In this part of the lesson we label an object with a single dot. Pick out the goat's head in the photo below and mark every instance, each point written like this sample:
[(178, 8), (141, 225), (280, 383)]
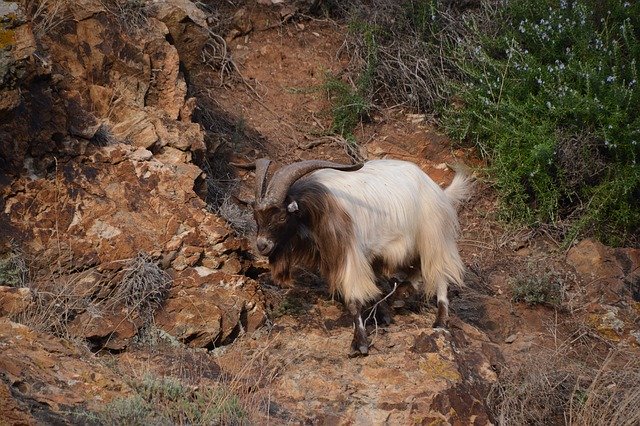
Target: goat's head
[(276, 214)]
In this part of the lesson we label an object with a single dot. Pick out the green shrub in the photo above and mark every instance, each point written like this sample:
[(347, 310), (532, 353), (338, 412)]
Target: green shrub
[(352, 102), (553, 101)]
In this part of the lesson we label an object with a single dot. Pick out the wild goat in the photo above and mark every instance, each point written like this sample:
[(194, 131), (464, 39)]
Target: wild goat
[(353, 222)]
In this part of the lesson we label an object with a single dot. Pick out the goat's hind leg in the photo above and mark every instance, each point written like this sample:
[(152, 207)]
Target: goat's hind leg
[(360, 342), (442, 317)]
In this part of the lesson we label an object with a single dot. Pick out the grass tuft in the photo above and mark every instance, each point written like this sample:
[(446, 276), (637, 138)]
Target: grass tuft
[(167, 400)]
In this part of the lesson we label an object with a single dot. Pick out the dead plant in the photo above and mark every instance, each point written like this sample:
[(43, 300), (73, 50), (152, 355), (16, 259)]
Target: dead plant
[(141, 288), (46, 15), (563, 387)]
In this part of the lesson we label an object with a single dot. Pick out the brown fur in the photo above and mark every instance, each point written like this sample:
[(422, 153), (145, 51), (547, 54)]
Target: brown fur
[(316, 237)]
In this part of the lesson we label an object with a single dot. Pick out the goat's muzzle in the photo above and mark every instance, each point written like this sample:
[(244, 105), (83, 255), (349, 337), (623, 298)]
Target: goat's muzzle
[(264, 246)]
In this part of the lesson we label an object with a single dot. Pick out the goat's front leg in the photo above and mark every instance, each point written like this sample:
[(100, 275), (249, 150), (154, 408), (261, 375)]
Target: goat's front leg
[(360, 343)]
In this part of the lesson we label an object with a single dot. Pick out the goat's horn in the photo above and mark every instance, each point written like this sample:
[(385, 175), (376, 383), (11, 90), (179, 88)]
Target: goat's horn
[(288, 175), (262, 166), (245, 166)]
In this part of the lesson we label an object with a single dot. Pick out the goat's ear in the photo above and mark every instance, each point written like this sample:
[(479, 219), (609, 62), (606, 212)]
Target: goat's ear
[(293, 207)]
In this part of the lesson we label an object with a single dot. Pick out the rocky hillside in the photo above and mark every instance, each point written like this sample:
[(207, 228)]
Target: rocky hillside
[(129, 291)]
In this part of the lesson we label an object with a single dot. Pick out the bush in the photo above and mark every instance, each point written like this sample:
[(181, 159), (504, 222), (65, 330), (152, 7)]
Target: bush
[(553, 101), (548, 91), (538, 286)]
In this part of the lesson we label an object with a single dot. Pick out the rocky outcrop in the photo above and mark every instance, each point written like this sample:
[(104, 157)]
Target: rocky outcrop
[(43, 375), (98, 170), (610, 289), (413, 375)]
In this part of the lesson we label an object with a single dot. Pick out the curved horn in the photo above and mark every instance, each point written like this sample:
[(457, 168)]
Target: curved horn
[(262, 166), (288, 175), (245, 166)]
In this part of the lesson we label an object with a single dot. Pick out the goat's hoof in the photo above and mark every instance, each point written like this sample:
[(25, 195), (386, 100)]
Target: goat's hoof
[(358, 350), (384, 320), (440, 324)]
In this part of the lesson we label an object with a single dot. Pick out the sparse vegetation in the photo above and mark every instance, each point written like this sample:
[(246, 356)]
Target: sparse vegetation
[(143, 286), (538, 285), (352, 101), (46, 15), (60, 296), (13, 269), (554, 387), (131, 15), (290, 305), (167, 400), (220, 185)]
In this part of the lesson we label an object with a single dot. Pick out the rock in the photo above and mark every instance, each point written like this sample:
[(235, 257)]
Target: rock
[(180, 10), (609, 277), (242, 22), (210, 308), (413, 374), (511, 338), (52, 373), (593, 259), (12, 412), (169, 89), (106, 330), (14, 300)]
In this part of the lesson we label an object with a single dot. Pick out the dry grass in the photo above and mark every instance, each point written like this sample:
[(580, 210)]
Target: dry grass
[(130, 15), (612, 397), (411, 39), (59, 295), (46, 15), (562, 387)]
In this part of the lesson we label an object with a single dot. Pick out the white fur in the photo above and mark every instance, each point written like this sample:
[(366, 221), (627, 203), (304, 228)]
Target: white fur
[(398, 214)]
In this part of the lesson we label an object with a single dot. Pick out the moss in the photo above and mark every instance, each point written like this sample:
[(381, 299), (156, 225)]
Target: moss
[(7, 38), (437, 367), (7, 30)]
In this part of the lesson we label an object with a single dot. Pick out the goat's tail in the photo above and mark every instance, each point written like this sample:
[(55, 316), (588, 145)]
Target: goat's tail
[(461, 188)]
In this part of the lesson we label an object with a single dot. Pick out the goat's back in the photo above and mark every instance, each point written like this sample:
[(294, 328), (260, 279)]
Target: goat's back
[(391, 203)]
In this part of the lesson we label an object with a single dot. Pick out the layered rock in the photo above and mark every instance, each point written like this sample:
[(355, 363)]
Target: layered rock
[(98, 170), (42, 375), (413, 374)]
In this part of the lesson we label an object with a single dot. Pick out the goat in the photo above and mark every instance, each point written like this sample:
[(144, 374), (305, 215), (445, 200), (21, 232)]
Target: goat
[(353, 222)]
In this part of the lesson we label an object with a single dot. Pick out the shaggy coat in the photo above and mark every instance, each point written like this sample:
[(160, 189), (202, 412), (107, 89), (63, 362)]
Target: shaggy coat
[(389, 216)]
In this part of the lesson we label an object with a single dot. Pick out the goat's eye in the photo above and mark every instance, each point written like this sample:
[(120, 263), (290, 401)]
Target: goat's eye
[(282, 219)]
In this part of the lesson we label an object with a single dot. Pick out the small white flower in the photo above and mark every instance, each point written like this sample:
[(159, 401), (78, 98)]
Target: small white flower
[(611, 79)]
